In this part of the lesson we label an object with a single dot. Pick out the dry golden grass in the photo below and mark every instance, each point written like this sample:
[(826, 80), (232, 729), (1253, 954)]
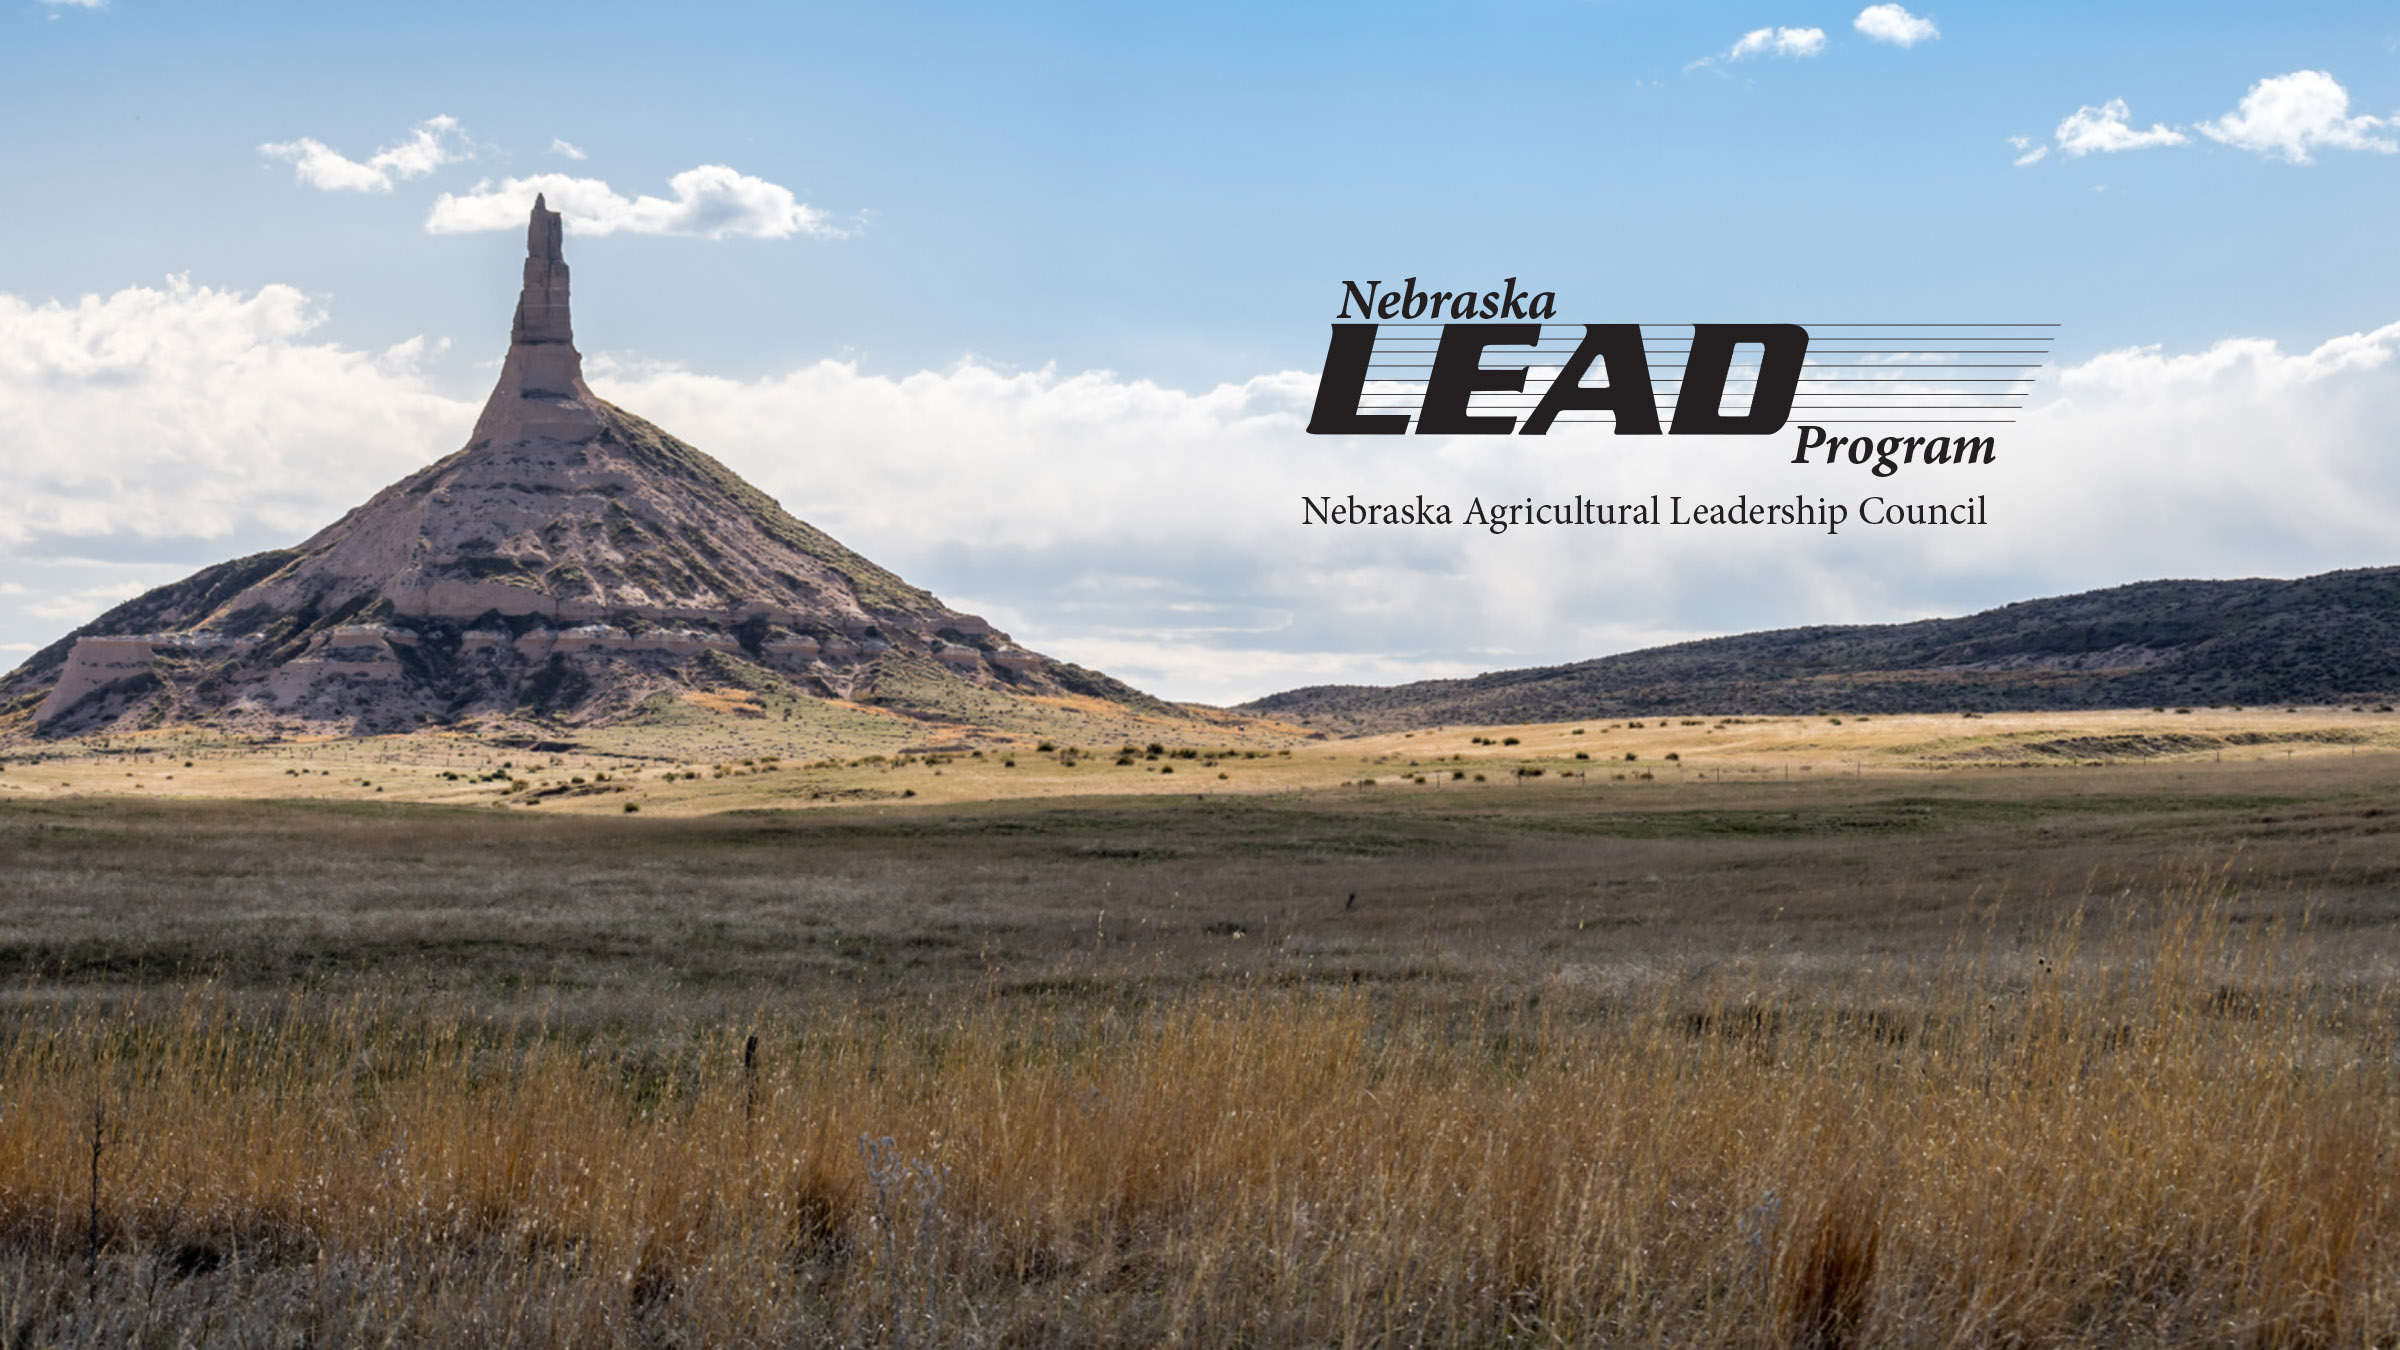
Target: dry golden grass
[(2166, 1134)]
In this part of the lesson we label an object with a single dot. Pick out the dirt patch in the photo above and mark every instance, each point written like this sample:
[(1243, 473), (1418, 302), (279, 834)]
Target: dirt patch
[(2151, 745), (732, 702)]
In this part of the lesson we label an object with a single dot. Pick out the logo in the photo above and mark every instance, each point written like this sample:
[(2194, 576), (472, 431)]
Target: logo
[(1408, 358)]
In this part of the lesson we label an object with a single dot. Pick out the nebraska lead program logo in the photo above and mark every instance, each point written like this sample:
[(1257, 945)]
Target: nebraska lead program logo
[(1423, 353)]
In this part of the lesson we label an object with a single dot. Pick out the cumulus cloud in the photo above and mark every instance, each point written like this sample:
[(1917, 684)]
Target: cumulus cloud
[(1767, 42), (185, 413), (560, 146), (1777, 42), (1893, 24), (1157, 533), (2107, 130), (432, 144), (710, 202), (2285, 116), (2282, 117)]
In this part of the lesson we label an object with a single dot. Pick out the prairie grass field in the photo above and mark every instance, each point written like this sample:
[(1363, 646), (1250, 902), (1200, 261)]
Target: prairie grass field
[(2101, 1054)]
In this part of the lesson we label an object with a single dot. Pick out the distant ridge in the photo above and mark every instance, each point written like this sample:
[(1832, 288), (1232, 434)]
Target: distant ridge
[(2333, 638), (571, 565)]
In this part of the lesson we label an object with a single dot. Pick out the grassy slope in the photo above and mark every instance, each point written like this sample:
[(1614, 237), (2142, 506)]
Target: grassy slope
[(2323, 638), (875, 587)]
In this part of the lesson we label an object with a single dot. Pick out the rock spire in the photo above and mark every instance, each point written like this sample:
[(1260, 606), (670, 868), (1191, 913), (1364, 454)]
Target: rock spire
[(572, 564), (541, 394)]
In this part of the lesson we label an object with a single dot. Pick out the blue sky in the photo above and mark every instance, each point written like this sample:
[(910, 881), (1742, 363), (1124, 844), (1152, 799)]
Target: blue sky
[(1172, 195)]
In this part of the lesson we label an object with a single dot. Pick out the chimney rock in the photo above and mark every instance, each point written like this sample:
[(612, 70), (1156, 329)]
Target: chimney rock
[(541, 393)]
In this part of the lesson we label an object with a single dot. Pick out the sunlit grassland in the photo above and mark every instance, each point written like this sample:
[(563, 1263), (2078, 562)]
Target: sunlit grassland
[(2057, 1055), (721, 754)]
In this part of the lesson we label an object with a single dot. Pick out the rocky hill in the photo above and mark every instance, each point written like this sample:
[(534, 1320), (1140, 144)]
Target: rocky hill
[(2325, 639), (570, 563)]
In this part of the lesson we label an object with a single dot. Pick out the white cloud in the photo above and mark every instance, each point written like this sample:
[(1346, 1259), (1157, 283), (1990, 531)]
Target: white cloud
[(157, 429), (76, 4), (2285, 116), (1767, 42), (2030, 153), (189, 413), (1893, 24), (2245, 459), (711, 202), (1777, 42), (429, 146), (2107, 130), (559, 146)]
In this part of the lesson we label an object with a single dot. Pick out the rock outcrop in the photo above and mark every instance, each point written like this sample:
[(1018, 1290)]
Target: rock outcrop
[(541, 393), (569, 562)]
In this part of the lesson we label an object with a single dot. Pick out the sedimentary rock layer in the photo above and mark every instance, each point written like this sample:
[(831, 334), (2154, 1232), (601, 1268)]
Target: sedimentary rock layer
[(571, 558)]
